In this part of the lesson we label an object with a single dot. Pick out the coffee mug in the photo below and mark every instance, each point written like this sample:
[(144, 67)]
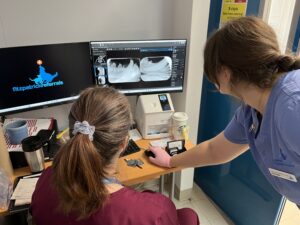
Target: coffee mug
[(16, 131)]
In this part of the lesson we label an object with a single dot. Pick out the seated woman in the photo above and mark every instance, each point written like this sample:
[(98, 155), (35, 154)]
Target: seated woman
[(80, 187)]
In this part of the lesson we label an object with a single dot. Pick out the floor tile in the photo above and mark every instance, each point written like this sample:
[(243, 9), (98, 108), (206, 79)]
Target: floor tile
[(290, 214)]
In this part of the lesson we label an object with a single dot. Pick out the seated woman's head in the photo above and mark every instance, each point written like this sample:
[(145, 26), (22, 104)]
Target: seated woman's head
[(99, 121)]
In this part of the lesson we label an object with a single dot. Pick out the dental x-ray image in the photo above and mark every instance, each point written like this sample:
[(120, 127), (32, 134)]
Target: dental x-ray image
[(156, 68), (123, 70)]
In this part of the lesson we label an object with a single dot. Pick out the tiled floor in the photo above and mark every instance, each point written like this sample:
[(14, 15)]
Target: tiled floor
[(210, 214), (290, 215)]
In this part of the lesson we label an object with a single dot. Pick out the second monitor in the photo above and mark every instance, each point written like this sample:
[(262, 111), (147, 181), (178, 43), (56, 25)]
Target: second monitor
[(140, 67)]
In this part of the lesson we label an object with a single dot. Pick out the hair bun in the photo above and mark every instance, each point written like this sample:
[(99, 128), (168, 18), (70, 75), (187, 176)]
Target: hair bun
[(287, 63)]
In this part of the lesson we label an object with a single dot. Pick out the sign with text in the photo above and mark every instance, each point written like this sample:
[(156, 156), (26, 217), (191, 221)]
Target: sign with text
[(232, 9)]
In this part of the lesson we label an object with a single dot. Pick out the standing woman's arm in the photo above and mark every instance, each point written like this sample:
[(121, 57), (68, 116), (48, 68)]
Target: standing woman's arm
[(217, 150)]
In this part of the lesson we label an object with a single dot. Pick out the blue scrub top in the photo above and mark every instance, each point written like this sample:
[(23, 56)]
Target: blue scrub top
[(275, 141)]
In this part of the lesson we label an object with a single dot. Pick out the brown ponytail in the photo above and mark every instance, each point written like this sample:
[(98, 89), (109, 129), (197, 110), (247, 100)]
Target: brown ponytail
[(79, 165), (248, 47)]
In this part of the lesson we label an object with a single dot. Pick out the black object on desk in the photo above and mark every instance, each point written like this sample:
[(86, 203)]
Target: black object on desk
[(175, 147), (149, 153), (51, 145), (132, 147)]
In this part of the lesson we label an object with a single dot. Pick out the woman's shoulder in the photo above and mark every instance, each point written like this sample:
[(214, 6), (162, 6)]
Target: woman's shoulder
[(290, 83), (285, 95), (287, 102), (130, 199), (145, 207), (148, 196)]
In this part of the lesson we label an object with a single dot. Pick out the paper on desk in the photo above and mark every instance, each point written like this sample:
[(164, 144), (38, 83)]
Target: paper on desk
[(160, 143), (135, 135), (19, 202), (23, 192), (34, 126)]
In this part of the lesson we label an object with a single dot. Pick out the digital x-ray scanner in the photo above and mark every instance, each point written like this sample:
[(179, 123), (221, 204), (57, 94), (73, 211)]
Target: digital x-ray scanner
[(153, 115)]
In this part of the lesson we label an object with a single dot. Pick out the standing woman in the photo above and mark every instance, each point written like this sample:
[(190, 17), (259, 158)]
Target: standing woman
[(81, 187), (243, 60)]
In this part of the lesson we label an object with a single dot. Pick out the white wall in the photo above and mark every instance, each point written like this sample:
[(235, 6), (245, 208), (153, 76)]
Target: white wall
[(41, 22), (193, 24), (279, 14)]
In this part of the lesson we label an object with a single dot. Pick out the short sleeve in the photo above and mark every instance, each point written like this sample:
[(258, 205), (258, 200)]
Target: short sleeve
[(289, 126), (235, 131)]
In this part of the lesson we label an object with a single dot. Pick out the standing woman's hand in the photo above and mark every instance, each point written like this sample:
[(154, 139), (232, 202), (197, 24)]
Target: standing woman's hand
[(162, 158)]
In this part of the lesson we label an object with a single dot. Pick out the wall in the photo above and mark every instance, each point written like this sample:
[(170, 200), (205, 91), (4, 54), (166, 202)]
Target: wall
[(279, 16), (194, 25), (39, 22), (296, 19)]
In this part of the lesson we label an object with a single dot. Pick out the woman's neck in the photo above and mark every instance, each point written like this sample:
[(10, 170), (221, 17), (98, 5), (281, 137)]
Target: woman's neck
[(111, 171), (255, 97)]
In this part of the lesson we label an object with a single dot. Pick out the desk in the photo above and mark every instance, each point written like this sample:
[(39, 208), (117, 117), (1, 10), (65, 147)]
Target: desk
[(130, 175)]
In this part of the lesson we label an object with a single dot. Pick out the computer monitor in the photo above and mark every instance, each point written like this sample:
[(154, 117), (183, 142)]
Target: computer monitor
[(139, 67), (43, 75)]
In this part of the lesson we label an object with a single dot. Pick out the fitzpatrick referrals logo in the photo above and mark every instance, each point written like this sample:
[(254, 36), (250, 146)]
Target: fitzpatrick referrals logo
[(42, 80)]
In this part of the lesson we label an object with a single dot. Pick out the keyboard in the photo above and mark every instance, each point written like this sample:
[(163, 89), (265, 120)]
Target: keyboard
[(132, 147)]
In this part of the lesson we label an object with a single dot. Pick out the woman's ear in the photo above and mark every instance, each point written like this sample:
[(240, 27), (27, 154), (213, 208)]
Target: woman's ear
[(225, 74), (124, 144)]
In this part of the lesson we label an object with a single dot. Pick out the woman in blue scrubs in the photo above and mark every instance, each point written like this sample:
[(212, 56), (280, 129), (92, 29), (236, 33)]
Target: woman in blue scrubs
[(243, 60)]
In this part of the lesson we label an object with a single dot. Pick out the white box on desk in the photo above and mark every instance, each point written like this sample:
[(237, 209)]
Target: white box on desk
[(153, 115)]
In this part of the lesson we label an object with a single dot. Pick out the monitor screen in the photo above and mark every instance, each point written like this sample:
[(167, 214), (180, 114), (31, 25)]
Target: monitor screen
[(43, 75), (139, 67)]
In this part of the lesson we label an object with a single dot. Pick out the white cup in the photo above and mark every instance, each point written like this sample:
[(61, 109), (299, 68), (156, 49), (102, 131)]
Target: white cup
[(179, 125)]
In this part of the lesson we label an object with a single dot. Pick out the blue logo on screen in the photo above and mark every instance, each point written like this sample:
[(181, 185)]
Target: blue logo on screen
[(43, 77), (42, 80)]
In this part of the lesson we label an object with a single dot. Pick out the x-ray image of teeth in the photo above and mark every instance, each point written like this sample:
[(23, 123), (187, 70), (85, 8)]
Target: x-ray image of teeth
[(121, 70), (156, 68)]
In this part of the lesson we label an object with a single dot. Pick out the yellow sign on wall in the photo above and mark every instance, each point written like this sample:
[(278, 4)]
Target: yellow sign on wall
[(232, 9)]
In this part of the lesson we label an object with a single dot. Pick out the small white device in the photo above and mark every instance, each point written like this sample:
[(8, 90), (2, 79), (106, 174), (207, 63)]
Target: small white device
[(153, 115)]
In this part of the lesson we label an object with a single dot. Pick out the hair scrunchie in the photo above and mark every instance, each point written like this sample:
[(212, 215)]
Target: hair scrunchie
[(84, 128)]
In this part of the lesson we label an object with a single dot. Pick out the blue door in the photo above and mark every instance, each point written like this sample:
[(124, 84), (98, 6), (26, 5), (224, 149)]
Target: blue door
[(238, 187)]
